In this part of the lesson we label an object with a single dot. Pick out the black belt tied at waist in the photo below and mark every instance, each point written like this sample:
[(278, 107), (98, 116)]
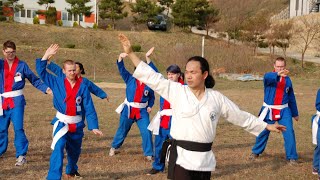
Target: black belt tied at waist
[(187, 145)]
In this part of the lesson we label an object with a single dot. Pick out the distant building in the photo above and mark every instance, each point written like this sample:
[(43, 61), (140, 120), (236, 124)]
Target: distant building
[(303, 7), (31, 7)]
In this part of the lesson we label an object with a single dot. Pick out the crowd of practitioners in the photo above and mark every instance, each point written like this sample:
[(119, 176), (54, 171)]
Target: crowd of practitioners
[(184, 127)]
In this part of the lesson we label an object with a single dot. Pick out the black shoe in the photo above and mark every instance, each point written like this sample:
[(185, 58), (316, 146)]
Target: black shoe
[(74, 175), (153, 171)]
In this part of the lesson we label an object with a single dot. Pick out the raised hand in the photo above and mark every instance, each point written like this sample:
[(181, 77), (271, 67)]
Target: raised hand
[(52, 50), (148, 54), (122, 56), (125, 43)]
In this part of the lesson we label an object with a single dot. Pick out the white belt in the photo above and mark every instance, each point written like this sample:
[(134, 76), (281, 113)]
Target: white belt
[(8, 95), (315, 128), (130, 104), (267, 108), (155, 123), (66, 120)]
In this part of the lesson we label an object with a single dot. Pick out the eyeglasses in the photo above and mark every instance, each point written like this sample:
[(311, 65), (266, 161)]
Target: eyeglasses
[(10, 52)]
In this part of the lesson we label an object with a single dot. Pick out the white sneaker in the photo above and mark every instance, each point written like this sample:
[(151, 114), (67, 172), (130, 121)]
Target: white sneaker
[(112, 151), (21, 160), (149, 158)]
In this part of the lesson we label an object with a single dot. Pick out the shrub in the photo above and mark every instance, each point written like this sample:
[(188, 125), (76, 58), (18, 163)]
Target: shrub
[(136, 47), (3, 18), (262, 44), (36, 20), (95, 26), (75, 24), (71, 46), (60, 23)]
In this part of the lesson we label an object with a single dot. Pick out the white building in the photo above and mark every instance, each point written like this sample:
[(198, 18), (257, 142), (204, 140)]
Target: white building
[(31, 7)]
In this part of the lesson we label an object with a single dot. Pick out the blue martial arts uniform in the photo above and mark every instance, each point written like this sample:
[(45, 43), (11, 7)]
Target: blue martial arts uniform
[(143, 122), (164, 134), (285, 94), (71, 140), (16, 112), (94, 89), (316, 155)]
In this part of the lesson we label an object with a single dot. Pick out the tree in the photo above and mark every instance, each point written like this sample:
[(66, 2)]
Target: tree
[(208, 16), (283, 34), (184, 13), (167, 4), (78, 7), (45, 2), (144, 10), (14, 5), (306, 30), (254, 29), (112, 9)]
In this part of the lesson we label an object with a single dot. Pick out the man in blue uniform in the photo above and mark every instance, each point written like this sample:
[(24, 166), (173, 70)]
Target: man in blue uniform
[(13, 73), (136, 108), (279, 107), (72, 100)]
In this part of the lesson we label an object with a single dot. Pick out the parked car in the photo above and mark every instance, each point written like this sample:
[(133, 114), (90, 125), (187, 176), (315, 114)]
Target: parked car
[(158, 22)]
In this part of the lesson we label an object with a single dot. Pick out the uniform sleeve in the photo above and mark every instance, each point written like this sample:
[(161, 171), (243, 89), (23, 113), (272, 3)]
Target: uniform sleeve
[(123, 71), (270, 78), (34, 80), (169, 90), (90, 112), (153, 66), (151, 99), (94, 89), (233, 114), (47, 78), (318, 101), (292, 102), (57, 70)]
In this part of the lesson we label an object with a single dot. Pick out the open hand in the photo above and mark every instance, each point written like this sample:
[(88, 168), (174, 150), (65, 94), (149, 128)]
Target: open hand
[(52, 50), (276, 127), (125, 43)]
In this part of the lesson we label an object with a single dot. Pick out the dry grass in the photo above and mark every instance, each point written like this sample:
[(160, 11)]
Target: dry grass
[(231, 147)]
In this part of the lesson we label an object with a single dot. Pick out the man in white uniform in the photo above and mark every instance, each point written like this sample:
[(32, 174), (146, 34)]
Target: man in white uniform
[(196, 109)]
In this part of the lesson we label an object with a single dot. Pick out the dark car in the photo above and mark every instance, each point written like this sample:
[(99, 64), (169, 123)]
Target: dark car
[(158, 22)]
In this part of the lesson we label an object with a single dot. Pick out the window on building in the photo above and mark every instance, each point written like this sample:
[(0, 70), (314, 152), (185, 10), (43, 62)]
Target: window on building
[(69, 17), (81, 17), (75, 17), (23, 13), (34, 13), (28, 13), (64, 16), (17, 14)]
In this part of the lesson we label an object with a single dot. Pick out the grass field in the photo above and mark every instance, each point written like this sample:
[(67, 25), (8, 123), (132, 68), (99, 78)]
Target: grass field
[(231, 147)]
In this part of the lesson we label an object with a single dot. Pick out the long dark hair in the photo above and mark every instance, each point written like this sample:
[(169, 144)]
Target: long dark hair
[(209, 81), (81, 68)]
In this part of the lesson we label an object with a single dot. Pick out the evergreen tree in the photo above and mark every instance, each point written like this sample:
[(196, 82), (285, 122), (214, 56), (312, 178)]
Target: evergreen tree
[(167, 4), (144, 10), (112, 9), (45, 2)]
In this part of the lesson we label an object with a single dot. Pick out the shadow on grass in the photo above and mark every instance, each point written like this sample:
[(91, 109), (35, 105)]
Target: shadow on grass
[(120, 175)]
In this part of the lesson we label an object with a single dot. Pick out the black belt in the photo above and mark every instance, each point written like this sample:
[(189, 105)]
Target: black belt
[(188, 145)]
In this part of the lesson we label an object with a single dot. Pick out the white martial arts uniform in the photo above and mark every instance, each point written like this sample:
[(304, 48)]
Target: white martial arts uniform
[(194, 120)]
